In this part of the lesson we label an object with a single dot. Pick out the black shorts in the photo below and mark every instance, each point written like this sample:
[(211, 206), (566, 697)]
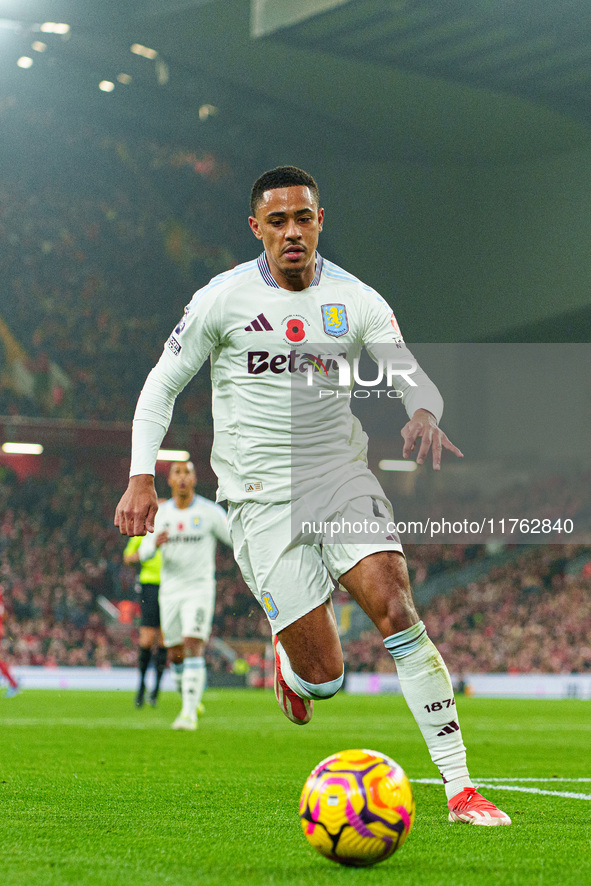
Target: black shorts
[(149, 604)]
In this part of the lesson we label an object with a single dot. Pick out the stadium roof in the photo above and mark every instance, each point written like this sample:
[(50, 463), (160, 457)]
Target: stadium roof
[(470, 81)]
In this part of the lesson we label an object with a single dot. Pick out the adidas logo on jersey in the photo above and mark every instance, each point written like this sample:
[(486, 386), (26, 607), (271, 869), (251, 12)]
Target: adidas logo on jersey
[(259, 324)]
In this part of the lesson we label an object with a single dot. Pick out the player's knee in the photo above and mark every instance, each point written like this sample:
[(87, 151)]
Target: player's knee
[(318, 691)]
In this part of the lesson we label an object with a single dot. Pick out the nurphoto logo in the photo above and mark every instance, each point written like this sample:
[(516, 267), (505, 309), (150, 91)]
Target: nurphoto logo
[(387, 372)]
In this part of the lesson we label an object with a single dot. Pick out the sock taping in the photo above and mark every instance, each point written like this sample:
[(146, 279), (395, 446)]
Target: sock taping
[(318, 691)]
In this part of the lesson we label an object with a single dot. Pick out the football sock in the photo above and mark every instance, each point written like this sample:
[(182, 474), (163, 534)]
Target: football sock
[(193, 684), (160, 657), (318, 691), (300, 686), (177, 673), (427, 688), (144, 657), (5, 671)]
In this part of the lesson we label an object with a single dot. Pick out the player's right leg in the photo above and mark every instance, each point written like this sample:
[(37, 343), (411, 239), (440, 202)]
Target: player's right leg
[(308, 663), (293, 586), (172, 632), (177, 659)]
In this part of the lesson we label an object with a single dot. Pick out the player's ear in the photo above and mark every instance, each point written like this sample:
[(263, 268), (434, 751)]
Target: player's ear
[(254, 227), (320, 219)]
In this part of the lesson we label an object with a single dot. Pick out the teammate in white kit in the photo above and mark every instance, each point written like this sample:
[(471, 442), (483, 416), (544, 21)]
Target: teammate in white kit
[(187, 529), (266, 326)]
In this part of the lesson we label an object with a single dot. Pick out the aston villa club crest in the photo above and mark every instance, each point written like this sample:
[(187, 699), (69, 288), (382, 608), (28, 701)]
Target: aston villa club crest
[(269, 605), (334, 318)]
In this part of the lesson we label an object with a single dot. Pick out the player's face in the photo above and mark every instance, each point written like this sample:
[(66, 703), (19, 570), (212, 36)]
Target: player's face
[(289, 222), (182, 479)]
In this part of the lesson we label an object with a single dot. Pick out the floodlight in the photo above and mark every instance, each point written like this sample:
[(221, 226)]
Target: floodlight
[(138, 49), (22, 448), (55, 28), (397, 464), (173, 455)]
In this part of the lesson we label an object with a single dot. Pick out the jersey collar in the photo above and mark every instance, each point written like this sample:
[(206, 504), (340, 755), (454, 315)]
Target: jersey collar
[(176, 507), (263, 266)]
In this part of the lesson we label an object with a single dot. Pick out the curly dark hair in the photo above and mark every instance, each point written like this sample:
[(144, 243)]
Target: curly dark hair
[(281, 177)]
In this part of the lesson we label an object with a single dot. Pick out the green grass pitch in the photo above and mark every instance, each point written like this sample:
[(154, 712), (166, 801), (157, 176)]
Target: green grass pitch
[(93, 791)]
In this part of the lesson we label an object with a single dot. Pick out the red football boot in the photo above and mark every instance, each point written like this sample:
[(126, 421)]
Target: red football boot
[(472, 808), (297, 709)]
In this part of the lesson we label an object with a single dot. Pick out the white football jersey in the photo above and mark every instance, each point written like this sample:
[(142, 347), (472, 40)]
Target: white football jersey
[(260, 339), (188, 557)]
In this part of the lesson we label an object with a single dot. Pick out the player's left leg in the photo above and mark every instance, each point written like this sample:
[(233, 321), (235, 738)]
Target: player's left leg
[(379, 583), (172, 633)]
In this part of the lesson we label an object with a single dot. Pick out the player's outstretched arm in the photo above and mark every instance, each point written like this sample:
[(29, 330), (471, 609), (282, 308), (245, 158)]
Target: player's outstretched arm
[(137, 509), (424, 425)]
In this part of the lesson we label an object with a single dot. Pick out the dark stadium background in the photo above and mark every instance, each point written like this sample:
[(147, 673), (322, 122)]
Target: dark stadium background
[(452, 144)]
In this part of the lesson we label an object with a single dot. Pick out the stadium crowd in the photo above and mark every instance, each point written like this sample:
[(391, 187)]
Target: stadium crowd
[(528, 616), (60, 557), (97, 266)]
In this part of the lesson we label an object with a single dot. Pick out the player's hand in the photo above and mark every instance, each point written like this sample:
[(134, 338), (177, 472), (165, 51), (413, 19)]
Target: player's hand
[(162, 538), (136, 511), (423, 424)]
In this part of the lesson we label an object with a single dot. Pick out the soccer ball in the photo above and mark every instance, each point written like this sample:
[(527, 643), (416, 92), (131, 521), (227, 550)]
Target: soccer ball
[(357, 807)]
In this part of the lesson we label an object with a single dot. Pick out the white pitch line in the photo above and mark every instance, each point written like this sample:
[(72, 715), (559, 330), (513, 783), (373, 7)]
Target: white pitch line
[(554, 780), (510, 787)]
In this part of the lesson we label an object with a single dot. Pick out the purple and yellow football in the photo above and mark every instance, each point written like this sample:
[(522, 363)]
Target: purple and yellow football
[(357, 807)]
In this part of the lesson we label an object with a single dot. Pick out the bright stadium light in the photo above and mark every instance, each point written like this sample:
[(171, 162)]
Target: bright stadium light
[(22, 448), (38, 46), (173, 455), (206, 111), (145, 51), (106, 86), (55, 28), (397, 464), (25, 61)]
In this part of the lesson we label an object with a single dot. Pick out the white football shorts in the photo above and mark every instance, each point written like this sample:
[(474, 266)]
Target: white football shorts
[(186, 614), (289, 563)]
